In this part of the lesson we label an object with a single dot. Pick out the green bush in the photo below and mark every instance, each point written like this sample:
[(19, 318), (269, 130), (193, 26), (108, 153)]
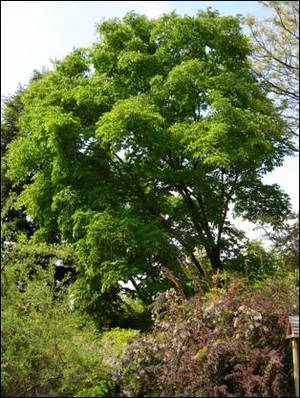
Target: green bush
[(113, 344), (47, 349), (100, 389)]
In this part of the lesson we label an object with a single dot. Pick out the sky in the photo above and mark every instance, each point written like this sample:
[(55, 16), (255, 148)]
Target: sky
[(35, 32)]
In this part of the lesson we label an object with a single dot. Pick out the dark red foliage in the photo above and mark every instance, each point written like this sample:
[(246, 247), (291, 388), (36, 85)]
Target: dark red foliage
[(230, 343)]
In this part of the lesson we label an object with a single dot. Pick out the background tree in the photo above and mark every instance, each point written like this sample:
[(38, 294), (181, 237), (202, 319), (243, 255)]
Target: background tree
[(276, 56), (134, 149), (285, 241), (13, 219)]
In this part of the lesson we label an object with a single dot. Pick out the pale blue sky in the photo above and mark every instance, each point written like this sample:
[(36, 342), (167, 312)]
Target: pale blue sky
[(33, 32)]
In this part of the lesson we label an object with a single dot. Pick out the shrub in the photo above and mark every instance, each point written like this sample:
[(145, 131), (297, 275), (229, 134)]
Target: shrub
[(47, 349), (230, 342), (113, 344)]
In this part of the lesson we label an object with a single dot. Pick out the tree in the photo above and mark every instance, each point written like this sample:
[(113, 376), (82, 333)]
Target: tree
[(276, 56), (14, 221), (285, 240), (134, 150)]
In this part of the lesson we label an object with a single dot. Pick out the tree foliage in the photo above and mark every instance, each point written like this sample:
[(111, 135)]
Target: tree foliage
[(285, 241), (133, 151)]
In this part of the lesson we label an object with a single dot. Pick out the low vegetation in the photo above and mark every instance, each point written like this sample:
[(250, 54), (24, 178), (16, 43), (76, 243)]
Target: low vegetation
[(230, 342)]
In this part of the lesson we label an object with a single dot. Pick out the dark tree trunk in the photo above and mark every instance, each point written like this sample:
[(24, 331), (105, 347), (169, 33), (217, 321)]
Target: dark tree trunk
[(213, 254)]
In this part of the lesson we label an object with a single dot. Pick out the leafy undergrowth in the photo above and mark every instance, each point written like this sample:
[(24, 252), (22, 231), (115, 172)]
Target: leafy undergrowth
[(49, 350), (229, 343)]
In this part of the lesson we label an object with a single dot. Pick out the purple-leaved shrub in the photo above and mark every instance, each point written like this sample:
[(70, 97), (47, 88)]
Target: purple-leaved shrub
[(230, 342)]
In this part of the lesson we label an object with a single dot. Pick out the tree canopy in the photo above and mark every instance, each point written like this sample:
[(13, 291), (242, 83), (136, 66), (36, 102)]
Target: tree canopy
[(134, 150)]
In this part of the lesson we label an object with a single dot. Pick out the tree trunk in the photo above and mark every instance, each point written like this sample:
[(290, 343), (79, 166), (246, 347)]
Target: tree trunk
[(213, 253), (174, 280)]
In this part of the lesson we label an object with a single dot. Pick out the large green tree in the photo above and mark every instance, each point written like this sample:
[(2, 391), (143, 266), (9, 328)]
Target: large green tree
[(135, 149)]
